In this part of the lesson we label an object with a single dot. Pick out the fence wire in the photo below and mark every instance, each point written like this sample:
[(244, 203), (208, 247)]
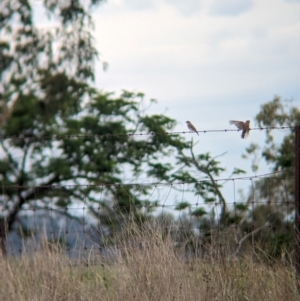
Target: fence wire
[(88, 226), (84, 223), (67, 136)]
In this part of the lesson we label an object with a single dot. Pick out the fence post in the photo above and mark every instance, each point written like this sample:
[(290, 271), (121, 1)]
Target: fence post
[(297, 206)]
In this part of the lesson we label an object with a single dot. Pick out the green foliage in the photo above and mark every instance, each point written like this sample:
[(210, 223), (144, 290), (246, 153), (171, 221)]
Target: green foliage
[(241, 207), (265, 215), (182, 206), (57, 130), (277, 113), (206, 167), (238, 171), (275, 193), (278, 151), (199, 212)]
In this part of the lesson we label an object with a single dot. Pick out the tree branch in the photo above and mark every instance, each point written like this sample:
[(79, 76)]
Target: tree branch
[(10, 218), (243, 239), (206, 171), (10, 158)]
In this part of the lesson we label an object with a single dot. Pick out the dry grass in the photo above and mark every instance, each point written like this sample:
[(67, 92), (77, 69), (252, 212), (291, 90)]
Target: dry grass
[(147, 267)]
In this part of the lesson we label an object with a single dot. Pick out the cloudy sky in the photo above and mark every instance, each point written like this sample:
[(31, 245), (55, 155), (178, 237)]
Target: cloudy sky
[(207, 61), (202, 52)]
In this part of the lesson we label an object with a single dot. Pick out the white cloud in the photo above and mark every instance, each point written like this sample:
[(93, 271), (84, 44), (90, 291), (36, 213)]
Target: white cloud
[(186, 7), (140, 4), (231, 7), (292, 1), (202, 59)]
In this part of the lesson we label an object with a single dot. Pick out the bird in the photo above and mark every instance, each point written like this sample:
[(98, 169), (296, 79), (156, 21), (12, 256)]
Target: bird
[(241, 125), (191, 127)]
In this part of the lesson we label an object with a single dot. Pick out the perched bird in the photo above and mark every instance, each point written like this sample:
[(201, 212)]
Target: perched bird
[(244, 126), (191, 127)]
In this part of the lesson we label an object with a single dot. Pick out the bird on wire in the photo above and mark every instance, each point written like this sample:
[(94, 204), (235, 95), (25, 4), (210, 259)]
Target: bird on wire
[(191, 127), (243, 126)]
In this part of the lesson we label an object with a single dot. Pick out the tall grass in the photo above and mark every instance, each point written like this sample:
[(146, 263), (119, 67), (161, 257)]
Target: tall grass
[(147, 265)]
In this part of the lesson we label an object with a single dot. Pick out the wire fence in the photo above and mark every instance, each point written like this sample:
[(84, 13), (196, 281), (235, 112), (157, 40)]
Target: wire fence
[(193, 211), (67, 136), (83, 227)]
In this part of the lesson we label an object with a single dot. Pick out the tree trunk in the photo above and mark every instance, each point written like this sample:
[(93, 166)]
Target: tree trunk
[(7, 222)]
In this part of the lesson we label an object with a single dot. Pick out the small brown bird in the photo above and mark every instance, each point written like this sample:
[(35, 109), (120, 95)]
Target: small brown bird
[(191, 127), (244, 126)]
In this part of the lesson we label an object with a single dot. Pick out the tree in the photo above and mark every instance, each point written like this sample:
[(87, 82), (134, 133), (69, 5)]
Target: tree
[(57, 130), (269, 223), (277, 191), (44, 75), (278, 151), (209, 169)]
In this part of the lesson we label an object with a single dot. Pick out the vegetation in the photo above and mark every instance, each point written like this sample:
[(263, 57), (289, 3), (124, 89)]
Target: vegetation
[(146, 268), (277, 193), (58, 130)]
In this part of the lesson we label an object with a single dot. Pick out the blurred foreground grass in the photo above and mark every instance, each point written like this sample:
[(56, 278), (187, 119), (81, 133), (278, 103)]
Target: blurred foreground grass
[(147, 266)]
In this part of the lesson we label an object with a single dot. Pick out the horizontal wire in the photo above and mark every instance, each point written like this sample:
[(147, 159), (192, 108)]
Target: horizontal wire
[(196, 205), (38, 208), (60, 137), (150, 183)]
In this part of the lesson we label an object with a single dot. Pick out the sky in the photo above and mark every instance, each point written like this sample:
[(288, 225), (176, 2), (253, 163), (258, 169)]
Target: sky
[(204, 61), (207, 61), (202, 51)]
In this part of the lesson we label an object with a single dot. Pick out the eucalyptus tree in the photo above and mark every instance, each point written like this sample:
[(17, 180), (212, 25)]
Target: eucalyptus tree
[(64, 142)]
